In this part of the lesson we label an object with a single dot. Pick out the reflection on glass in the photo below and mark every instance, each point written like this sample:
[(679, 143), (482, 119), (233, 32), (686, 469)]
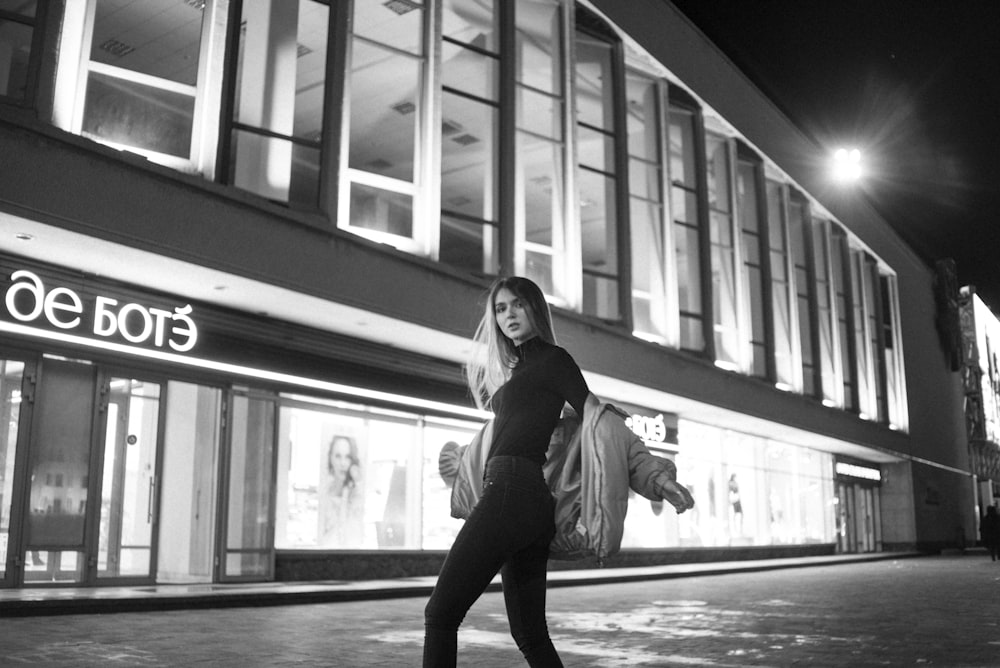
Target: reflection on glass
[(384, 111), (59, 471), (824, 309), (777, 230), (381, 210), (540, 164), (538, 267), (540, 114), (135, 114), (539, 44), (141, 37), (469, 71), (471, 22), (747, 207), (281, 84), (11, 376), (294, 179), (468, 158), (250, 487), (600, 296), (596, 150), (648, 264), (186, 545), (598, 222), (594, 102), (863, 354), (128, 491), (15, 50), (471, 246), (398, 23)]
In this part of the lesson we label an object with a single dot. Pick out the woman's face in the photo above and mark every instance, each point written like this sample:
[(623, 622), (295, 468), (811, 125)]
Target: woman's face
[(340, 456), (512, 316)]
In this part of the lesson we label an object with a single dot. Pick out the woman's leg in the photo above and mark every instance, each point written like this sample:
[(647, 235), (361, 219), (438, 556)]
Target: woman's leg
[(524, 579), (475, 557), (524, 589)]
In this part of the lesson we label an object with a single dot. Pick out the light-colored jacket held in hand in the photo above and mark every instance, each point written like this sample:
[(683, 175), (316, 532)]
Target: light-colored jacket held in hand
[(590, 466)]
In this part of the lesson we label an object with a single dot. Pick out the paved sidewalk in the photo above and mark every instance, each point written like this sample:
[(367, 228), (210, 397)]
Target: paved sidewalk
[(935, 611), (69, 600)]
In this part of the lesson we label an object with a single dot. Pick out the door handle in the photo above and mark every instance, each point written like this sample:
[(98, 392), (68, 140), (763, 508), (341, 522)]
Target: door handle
[(149, 501)]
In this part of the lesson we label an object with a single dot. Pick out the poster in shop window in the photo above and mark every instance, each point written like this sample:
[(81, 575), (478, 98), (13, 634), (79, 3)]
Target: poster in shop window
[(341, 491)]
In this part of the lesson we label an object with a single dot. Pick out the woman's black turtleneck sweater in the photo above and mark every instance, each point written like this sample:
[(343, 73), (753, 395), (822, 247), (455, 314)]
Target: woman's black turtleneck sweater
[(527, 407)]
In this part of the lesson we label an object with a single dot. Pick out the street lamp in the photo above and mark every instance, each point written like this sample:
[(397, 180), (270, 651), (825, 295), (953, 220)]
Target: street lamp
[(847, 164)]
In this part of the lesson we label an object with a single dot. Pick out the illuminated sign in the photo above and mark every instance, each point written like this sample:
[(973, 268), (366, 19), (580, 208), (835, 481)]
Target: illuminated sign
[(28, 301), (651, 429), (855, 471)]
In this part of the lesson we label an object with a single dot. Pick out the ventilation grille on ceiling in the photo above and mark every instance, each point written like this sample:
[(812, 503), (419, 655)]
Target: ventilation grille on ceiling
[(116, 48), (197, 4), (405, 108), (400, 6)]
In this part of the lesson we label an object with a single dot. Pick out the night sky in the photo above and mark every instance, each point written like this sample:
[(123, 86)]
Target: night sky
[(914, 84)]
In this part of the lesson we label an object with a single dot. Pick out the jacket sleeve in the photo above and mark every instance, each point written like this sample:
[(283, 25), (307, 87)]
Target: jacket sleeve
[(468, 485), (650, 476)]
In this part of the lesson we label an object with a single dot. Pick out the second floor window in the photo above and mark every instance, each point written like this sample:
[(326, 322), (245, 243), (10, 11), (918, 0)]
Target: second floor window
[(17, 28), (277, 128)]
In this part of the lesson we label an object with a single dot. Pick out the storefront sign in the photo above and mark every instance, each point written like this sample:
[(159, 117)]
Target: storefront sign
[(653, 430), (855, 471), (28, 300)]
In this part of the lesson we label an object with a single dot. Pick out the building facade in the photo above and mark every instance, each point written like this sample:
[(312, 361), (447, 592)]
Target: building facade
[(980, 331), (244, 245)]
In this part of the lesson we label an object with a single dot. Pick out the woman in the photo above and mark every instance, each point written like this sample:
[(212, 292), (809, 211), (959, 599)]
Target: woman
[(526, 379), (342, 522)]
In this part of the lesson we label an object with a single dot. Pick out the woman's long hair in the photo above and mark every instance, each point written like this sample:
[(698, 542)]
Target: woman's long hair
[(494, 355)]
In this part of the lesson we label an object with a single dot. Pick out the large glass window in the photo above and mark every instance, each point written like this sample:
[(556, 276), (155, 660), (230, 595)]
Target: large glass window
[(754, 254), (541, 243), (144, 76), (865, 370), (687, 236), (894, 379), (750, 491), (653, 306), (725, 299), (782, 291), (798, 224), (827, 335), (356, 477), (278, 115), (840, 275), (598, 178), (470, 68), (17, 27), (386, 112)]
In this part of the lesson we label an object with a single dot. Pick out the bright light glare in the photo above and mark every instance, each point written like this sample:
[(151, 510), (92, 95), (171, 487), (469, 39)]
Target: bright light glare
[(847, 164)]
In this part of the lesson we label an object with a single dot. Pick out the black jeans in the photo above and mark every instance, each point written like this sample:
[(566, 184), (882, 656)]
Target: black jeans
[(509, 531)]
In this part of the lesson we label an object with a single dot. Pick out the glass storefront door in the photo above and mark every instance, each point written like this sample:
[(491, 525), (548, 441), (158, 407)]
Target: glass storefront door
[(859, 527), (59, 469), (247, 541), (126, 536), (12, 373), (92, 471)]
